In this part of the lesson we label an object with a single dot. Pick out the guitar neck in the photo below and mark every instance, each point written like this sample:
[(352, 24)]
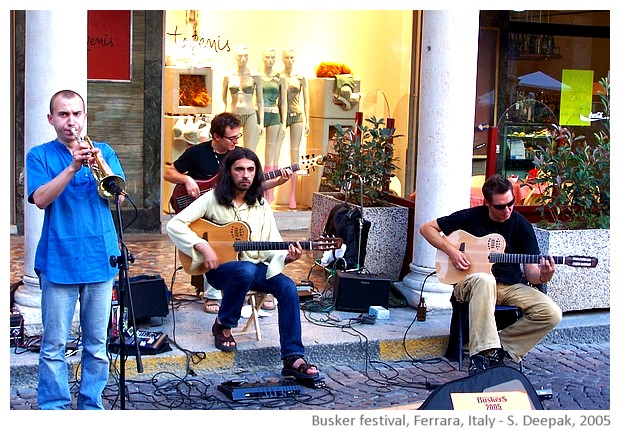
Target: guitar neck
[(267, 246), (278, 172), (521, 258)]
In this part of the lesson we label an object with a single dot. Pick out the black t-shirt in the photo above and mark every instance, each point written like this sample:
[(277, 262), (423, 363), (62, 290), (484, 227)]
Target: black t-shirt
[(199, 161), (518, 232)]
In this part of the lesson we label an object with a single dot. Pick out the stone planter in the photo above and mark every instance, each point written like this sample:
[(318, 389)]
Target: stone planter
[(387, 238), (574, 288)]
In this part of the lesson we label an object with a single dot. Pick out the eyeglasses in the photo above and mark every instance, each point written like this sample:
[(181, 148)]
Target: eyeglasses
[(233, 139), (502, 207)]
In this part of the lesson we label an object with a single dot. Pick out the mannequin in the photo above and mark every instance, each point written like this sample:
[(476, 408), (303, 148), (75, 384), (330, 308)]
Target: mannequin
[(274, 97), (243, 85), (298, 111)]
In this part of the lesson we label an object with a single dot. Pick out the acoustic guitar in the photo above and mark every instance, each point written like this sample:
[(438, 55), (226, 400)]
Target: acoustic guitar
[(230, 239), (180, 199), (483, 252)]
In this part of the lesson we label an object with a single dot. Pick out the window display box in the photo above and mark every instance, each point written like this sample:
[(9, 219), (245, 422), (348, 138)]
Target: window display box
[(321, 94), (188, 90)]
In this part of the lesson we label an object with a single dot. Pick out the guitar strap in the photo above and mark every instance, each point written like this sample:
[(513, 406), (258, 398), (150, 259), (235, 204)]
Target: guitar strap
[(237, 217)]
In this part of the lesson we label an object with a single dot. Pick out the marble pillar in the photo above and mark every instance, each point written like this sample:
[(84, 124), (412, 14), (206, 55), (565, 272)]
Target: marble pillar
[(444, 162), (55, 60)]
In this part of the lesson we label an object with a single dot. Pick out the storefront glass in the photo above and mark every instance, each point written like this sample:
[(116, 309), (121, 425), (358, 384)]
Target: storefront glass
[(535, 69), (554, 61)]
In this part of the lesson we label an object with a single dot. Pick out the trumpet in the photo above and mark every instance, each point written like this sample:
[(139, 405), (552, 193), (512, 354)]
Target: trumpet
[(108, 184)]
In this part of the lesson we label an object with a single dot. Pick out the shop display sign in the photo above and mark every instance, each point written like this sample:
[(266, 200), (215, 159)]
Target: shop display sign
[(576, 97), (109, 45)]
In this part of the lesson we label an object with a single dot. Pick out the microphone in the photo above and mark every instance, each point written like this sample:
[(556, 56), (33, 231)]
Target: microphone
[(112, 187)]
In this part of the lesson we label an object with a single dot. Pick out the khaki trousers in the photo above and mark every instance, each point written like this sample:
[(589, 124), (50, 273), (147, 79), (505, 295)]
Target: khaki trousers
[(540, 314)]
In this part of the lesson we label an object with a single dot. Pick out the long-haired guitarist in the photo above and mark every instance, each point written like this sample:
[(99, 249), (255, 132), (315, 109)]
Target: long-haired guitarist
[(505, 286), (238, 196), (202, 162)]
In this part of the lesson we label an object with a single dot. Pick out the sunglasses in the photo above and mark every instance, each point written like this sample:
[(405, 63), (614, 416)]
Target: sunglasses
[(502, 207), (234, 139)]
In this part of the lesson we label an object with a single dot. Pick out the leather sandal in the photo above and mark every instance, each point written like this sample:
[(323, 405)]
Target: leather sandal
[(211, 306), (269, 304), (301, 371), (221, 339)]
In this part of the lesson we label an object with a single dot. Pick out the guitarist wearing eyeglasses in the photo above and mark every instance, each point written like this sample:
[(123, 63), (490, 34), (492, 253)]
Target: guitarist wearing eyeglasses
[(238, 198), (455, 236), (202, 162)]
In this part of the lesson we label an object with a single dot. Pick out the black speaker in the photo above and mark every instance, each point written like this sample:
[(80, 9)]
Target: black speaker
[(150, 297), (357, 292)]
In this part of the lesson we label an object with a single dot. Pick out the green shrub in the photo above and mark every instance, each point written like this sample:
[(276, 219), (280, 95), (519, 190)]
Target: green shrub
[(577, 176)]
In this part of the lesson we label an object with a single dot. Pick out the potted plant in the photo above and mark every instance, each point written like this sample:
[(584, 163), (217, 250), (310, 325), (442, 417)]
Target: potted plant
[(365, 161), (575, 209), (361, 166)]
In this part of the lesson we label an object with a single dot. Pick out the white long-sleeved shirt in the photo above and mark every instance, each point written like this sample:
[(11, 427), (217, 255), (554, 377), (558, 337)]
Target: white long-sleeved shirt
[(259, 218)]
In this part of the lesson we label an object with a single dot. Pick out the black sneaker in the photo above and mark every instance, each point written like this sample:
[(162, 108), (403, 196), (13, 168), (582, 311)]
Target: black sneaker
[(477, 364), (496, 358)]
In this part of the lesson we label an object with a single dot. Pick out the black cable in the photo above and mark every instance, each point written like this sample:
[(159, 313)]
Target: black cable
[(387, 375), (135, 211), (30, 344)]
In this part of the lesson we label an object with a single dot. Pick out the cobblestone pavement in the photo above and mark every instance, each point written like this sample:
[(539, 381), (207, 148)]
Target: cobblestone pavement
[(578, 374)]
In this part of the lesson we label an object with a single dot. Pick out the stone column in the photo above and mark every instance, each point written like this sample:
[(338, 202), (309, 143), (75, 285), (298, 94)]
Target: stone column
[(55, 60), (444, 163)]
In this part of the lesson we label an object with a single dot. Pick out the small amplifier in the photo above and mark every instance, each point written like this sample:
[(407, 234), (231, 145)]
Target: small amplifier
[(17, 330), (357, 292), (150, 297)]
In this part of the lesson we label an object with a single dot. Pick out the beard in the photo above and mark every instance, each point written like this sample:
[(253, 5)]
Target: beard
[(243, 185)]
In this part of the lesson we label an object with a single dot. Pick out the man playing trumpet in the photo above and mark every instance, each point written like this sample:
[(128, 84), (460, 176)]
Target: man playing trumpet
[(72, 259)]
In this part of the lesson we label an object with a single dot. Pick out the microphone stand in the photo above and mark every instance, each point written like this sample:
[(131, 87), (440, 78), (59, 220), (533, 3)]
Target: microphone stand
[(361, 220), (122, 262)]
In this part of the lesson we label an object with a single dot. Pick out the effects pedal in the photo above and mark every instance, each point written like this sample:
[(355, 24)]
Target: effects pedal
[(17, 329), (150, 343), (312, 382), (544, 393), (305, 285), (305, 290), (366, 319), (239, 390)]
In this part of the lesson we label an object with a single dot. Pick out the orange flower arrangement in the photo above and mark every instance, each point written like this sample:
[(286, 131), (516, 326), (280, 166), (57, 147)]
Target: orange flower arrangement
[(329, 70), (192, 91)]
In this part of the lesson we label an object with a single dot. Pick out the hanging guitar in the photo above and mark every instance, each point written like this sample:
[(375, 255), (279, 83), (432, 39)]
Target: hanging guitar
[(483, 252), (180, 199), (230, 239)]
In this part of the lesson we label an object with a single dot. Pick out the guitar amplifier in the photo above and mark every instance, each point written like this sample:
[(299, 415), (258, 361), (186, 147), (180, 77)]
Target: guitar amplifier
[(357, 292), (150, 297)]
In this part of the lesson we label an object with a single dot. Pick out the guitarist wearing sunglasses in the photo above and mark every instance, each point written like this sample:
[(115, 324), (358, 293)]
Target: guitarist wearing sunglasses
[(238, 197), (200, 163), (455, 235)]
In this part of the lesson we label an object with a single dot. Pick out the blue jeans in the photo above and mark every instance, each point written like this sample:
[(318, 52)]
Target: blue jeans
[(236, 278), (58, 303)]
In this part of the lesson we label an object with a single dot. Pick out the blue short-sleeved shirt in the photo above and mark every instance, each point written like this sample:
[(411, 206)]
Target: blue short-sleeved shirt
[(78, 236)]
